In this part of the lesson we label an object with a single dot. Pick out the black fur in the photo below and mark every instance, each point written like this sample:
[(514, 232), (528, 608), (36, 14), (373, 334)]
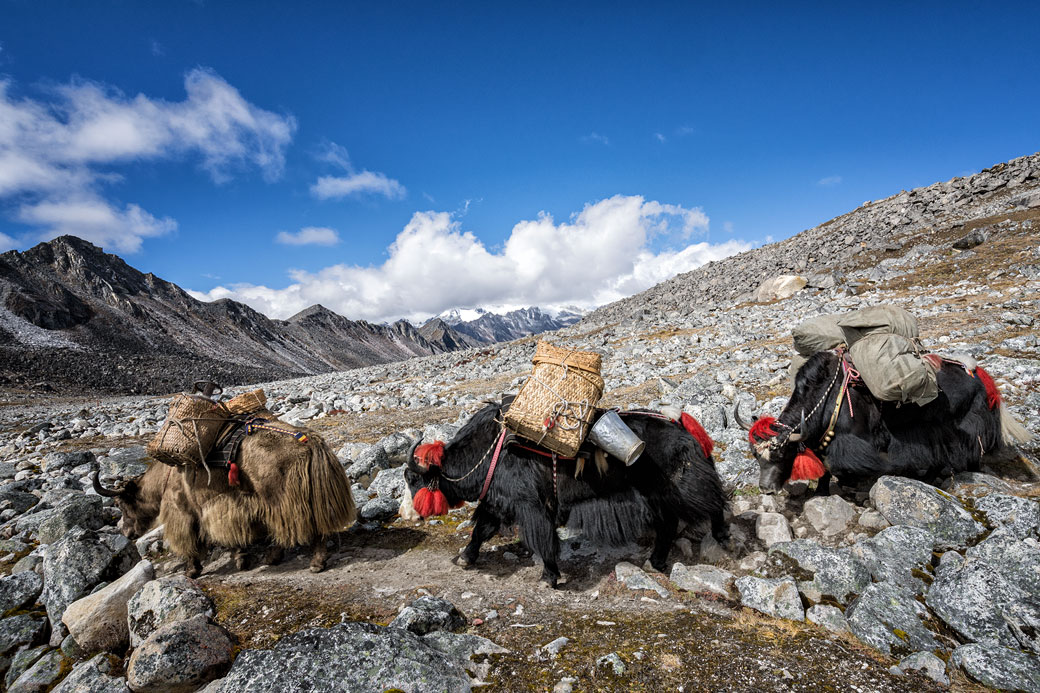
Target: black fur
[(946, 436), (671, 480)]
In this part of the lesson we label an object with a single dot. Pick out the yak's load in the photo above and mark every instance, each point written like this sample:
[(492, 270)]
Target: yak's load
[(883, 344), (558, 402)]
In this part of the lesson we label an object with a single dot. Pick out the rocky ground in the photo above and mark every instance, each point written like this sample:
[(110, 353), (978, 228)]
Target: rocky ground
[(897, 586)]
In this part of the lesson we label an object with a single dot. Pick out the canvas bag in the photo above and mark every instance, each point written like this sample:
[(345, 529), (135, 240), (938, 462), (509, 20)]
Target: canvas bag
[(892, 368), (821, 333), (878, 319)]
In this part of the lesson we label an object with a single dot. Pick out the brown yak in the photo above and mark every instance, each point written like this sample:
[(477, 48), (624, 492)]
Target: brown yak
[(293, 492)]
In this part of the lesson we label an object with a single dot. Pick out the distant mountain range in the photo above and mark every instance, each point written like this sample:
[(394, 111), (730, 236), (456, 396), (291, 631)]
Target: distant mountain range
[(73, 315)]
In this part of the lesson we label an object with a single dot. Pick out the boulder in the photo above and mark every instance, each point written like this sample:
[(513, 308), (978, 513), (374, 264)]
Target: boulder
[(66, 460), (772, 528), (124, 463), (19, 501), (1020, 516), (830, 617), (179, 657), (635, 578), (369, 656), (1023, 618), (78, 510), (998, 667), (775, 597), (379, 509), (21, 631), (162, 601), (972, 239), (19, 590), (22, 660), (389, 483), (428, 614), (42, 675), (895, 553), (829, 515), (93, 676), (1017, 559), (915, 503), (928, 664), (703, 578), (830, 573), (890, 619), (370, 461), (780, 287), (968, 596), (98, 622)]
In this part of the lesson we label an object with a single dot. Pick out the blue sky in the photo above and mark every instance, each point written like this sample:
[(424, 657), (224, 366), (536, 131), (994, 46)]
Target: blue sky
[(400, 159)]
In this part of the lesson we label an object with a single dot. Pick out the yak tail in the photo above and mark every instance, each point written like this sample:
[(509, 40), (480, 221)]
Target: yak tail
[(1011, 430), (316, 500)]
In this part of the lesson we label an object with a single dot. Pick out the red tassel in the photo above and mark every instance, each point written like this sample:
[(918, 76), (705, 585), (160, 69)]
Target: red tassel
[(430, 455), (232, 474), (694, 428), (807, 467), (762, 429), (992, 393), (430, 503)]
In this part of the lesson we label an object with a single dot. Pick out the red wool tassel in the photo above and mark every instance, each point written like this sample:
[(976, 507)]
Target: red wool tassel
[(232, 474), (430, 455), (762, 429), (694, 428), (992, 393), (807, 467), (430, 503)]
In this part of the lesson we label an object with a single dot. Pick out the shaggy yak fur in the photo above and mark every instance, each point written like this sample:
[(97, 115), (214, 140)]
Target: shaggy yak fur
[(948, 435), (290, 492), (610, 503)]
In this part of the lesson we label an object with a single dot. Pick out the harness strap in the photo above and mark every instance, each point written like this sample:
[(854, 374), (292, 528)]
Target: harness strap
[(491, 468)]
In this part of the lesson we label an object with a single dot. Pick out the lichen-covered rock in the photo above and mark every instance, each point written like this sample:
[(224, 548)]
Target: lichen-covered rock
[(124, 463), (389, 483), (969, 596), (635, 578), (703, 578), (829, 515), (98, 621), (79, 510), (20, 631), (66, 460), (772, 528), (1020, 516), (162, 601), (1023, 618), (775, 597), (372, 658), (22, 660), (93, 676), (19, 590), (369, 462), (1017, 559), (889, 619), (179, 657), (42, 675), (463, 647), (998, 667), (835, 572), (830, 617), (79, 561), (915, 503), (427, 614), (928, 664), (894, 553), (379, 509)]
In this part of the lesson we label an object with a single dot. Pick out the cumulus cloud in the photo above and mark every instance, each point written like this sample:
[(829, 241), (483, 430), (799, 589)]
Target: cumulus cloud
[(310, 235), (596, 138), (358, 183), (660, 138), (6, 243), (56, 153), (829, 181), (600, 254)]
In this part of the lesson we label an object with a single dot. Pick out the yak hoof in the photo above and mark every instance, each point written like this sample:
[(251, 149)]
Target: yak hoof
[(317, 566)]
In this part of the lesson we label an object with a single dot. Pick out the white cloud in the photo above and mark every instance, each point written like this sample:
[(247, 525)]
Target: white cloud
[(356, 184), (157, 49), (596, 138), (6, 243), (310, 235), (660, 138), (829, 181), (599, 255), (56, 153)]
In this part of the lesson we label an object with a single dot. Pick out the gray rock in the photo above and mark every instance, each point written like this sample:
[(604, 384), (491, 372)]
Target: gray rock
[(124, 463), (389, 483), (93, 676), (180, 656), (1017, 560), (370, 461), (79, 510), (379, 509), (772, 528), (829, 515), (928, 664), (22, 660), (972, 239), (830, 617), (977, 484), (98, 621), (78, 562), (612, 662), (463, 647), (998, 667), (19, 501), (893, 554), (1020, 516), (42, 675), (162, 601), (635, 578), (20, 631), (872, 519), (66, 460), (833, 573), (370, 657), (428, 614), (775, 597), (889, 619), (553, 648), (968, 597), (914, 503), (736, 470), (703, 578), (396, 446), (1023, 618), (19, 590)]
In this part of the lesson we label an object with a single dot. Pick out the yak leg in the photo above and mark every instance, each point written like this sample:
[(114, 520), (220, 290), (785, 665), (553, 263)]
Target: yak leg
[(823, 485), (666, 527), (321, 554), (485, 525), (720, 528), (273, 555), (540, 536), (240, 558)]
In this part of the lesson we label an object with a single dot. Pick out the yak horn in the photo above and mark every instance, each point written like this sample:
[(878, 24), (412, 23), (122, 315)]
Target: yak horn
[(101, 490), (410, 461), (740, 421), (797, 435)]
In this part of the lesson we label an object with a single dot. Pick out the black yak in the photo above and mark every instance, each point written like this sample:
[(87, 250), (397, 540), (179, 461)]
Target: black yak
[(609, 502), (865, 438)]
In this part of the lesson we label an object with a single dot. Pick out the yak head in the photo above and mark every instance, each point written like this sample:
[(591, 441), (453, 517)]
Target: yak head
[(139, 511), (422, 473), (775, 448)]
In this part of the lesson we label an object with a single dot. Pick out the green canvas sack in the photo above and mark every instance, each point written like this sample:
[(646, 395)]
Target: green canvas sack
[(878, 319), (821, 333), (893, 370)]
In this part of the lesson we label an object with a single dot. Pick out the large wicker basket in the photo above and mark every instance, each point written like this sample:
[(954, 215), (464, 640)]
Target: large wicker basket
[(247, 403), (555, 406), (189, 432)]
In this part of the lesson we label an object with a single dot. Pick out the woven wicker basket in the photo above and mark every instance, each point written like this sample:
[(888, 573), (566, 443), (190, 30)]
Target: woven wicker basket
[(555, 406), (247, 402), (189, 432)]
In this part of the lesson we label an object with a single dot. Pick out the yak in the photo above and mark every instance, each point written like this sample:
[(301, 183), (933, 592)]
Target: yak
[(291, 492), (609, 502), (863, 438)]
